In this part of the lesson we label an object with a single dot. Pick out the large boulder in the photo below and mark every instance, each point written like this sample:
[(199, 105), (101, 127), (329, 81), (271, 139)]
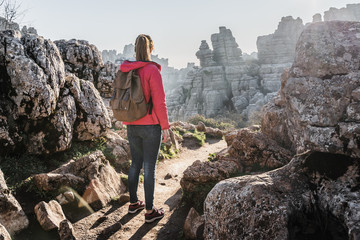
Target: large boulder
[(42, 110), (12, 216), (319, 99), (317, 192)]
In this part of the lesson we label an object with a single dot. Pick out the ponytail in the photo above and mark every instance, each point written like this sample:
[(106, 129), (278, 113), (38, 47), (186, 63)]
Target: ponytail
[(143, 47)]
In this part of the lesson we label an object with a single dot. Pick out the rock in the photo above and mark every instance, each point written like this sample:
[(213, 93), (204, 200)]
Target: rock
[(254, 151), (279, 47), (119, 148), (314, 58), (106, 78), (201, 127), (49, 215), (66, 231), (205, 55), (93, 121), (105, 183), (200, 173), (193, 224), (91, 173), (124, 198), (326, 119), (66, 197), (54, 181), (226, 51), (4, 234), (350, 13), (12, 216), (81, 58), (317, 18), (214, 132), (281, 204)]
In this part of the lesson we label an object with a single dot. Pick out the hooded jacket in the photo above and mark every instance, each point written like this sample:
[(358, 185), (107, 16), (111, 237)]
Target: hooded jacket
[(151, 82)]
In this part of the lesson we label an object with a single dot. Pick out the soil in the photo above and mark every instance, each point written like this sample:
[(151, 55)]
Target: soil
[(113, 222)]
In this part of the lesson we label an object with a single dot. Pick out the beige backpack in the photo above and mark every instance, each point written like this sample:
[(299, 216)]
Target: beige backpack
[(128, 102)]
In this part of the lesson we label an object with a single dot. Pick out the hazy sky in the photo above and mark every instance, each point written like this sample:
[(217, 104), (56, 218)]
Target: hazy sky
[(177, 27)]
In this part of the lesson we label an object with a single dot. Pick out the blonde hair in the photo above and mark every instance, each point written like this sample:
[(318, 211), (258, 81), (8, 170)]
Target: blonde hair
[(143, 47)]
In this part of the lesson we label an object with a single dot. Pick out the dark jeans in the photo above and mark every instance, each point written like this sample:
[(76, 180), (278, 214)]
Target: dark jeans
[(144, 143)]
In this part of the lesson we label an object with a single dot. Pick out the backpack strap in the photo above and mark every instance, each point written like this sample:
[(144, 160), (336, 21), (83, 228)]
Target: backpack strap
[(151, 106)]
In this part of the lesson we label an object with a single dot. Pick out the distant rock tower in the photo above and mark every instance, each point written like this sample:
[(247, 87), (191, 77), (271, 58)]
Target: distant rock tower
[(317, 18), (205, 55), (226, 50)]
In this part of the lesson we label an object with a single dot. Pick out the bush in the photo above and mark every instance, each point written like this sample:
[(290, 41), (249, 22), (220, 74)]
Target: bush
[(226, 121)]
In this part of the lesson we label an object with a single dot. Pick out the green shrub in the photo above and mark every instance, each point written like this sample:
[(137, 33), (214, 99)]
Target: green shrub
[(226, 121)]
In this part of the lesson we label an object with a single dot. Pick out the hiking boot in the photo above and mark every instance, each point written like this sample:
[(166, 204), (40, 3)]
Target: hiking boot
[(133, 208), (155, 214)]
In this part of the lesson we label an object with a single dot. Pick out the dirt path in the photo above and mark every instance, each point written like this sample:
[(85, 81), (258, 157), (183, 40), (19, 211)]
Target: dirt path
[(114, 223)]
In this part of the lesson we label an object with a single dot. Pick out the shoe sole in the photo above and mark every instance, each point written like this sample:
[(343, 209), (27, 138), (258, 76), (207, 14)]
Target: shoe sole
[(136, 210), (153, 219)]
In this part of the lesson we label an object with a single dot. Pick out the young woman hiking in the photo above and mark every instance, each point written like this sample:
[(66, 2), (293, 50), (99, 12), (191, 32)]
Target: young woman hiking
[(144, 134)]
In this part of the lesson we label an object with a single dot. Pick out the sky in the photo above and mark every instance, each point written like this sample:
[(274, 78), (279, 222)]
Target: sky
[(176, 27)]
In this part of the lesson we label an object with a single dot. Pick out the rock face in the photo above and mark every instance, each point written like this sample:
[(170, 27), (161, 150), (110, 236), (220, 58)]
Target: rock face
[(327, 117), (12, 217), (350, 13), (85, 61), (6, 25), (323, 182), (227, 83), (42, 110), (192, 226)]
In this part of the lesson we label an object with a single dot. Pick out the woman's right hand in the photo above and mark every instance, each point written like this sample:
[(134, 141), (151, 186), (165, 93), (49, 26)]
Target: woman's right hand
[(166, 135)]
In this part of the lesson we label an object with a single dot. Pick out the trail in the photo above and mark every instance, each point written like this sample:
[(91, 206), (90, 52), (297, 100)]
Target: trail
[(113, 222)]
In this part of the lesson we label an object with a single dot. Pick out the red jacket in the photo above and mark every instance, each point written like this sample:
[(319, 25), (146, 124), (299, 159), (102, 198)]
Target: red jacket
[(152, 85)]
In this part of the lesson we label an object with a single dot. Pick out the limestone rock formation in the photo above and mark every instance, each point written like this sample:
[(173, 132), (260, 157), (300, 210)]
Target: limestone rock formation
[(81, 58), (205, 55), (276, 52), (12, 217), (227, 83), (318, 113), (349, 13), (85, 61), (327, 117), (226, 50), (42, 110), (49, 215), (279, 47)]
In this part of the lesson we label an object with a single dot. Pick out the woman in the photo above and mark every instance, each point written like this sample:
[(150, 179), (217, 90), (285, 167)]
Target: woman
[(144, 134)]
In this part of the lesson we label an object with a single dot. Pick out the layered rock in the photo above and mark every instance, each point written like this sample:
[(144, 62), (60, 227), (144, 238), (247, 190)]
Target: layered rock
[(327, 117), (318, 116), (349, 13), (227, 83), (12, 216), (276, 52), (226, 51)]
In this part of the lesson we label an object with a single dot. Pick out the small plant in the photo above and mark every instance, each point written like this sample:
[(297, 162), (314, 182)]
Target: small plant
[(200, 137), (212, 157)]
